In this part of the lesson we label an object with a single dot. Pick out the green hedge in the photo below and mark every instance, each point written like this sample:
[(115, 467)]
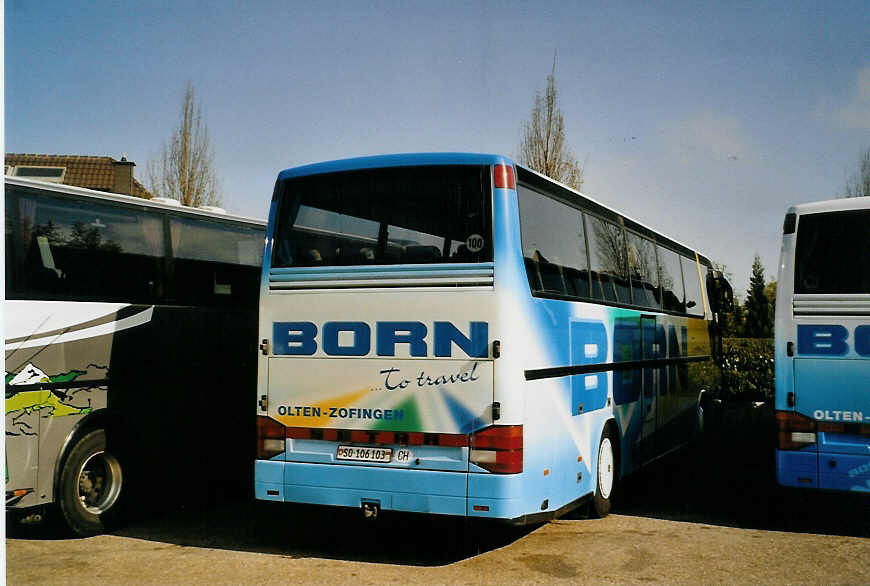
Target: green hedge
[(748, 371)]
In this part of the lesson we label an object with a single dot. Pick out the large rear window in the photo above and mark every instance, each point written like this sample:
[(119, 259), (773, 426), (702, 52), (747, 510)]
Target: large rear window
[(397, 215), (833, 253)]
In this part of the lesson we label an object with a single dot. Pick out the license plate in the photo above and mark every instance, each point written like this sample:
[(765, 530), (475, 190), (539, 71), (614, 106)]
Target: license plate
[(364, 454)]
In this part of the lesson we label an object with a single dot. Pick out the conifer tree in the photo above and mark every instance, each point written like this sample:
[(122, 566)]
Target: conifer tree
[(758, 315)]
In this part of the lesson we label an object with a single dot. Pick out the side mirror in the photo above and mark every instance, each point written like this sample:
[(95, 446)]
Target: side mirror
[(720, 292)]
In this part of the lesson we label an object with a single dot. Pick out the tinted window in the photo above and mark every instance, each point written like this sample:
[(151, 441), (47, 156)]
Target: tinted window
[(607, 260), (82, 250), (692, 280), (671, 279), (198, 239), (400, 215), (833, 253), (554, 247), (644, 275), (215, 263)]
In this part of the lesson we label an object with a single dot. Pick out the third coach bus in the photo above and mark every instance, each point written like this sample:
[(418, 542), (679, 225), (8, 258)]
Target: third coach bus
[(455, 334), (823, 347)]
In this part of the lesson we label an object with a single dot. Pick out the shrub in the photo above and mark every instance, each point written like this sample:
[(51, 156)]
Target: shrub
[(747, 374)]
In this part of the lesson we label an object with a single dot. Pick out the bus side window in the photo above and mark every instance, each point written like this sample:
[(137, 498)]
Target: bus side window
[(671, 279), (644, 276), (74, 250), (554, 246), (607, 258), (692, 279), (215, 264)]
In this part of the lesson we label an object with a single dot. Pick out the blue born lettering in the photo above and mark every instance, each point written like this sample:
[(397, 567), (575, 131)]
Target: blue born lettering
[(446, 334), (362, 338), (391, 333), (354, 338), (294, 338), (862, 340), (831, 340)]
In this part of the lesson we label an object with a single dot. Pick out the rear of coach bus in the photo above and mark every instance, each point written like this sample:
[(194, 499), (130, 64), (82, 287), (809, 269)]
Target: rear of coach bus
[(823, 347), (378, 337)]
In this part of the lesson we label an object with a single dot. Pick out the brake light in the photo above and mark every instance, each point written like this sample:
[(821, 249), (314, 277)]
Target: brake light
[(498, 449), (794, 431), (503, 177), (270, 438)]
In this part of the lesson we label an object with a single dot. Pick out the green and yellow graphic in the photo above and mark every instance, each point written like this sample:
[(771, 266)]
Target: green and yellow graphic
[(43, 402)]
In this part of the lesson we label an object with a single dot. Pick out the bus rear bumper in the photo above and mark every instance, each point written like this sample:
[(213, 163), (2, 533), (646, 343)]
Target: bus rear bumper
[(798, 469), (823, 470), (413, 491)]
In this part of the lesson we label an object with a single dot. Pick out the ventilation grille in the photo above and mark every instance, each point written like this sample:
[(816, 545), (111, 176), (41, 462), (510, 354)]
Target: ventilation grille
[(378, 276)]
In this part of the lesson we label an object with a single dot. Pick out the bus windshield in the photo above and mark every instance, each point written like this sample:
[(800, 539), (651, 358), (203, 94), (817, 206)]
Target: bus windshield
[(833, 253), (399, 215)]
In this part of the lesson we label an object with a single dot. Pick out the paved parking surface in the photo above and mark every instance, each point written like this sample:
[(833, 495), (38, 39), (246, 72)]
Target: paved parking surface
[(708, 515)]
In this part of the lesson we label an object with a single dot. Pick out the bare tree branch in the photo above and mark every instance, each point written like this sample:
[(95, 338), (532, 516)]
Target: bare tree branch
[(185, 168), (859, 184), (543, 147)]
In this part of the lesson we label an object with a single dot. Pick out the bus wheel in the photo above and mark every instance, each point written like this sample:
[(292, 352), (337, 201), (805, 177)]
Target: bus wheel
[(90, 485), (606, 476)]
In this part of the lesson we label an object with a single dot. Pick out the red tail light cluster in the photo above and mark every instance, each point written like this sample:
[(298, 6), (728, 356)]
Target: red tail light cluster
[(795, 431), (498, 449), (271, 435), (270, 438), (503, 176)]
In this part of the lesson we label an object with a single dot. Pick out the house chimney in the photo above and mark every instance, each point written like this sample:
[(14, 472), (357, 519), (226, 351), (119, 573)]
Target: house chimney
[(123, 176)]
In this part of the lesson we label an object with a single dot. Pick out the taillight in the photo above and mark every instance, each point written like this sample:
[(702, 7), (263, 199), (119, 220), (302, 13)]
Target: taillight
[(799, 431), (498, 449), (270, 438), (794, 431), (503, 177)]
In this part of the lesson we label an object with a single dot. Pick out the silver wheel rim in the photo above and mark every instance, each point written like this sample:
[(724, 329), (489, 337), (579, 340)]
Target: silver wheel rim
[(98, 483), (605, 468), (700, 418)]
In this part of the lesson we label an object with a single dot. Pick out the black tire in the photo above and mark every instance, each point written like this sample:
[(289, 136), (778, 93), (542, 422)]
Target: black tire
[(90, 485), (605, 475)]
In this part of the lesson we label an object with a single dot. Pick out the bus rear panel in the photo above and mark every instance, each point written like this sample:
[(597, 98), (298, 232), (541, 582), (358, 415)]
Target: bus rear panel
[(823, 348)]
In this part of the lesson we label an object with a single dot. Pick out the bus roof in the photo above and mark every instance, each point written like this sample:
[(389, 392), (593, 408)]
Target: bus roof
[(127, 199), (398, 160), (831, 205)]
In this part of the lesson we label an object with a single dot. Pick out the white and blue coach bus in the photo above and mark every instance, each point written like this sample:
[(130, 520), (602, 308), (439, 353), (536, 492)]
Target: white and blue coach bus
[(455, 334), (823, 347)]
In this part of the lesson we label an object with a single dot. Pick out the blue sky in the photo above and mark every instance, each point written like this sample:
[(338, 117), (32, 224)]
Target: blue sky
[(704, 121)]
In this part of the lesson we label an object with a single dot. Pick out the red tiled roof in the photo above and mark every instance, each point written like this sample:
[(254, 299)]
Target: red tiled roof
[(81, 170)]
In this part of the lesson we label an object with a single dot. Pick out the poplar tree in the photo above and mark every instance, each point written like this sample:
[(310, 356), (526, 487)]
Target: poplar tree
[(543, 147), (185, 169)]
